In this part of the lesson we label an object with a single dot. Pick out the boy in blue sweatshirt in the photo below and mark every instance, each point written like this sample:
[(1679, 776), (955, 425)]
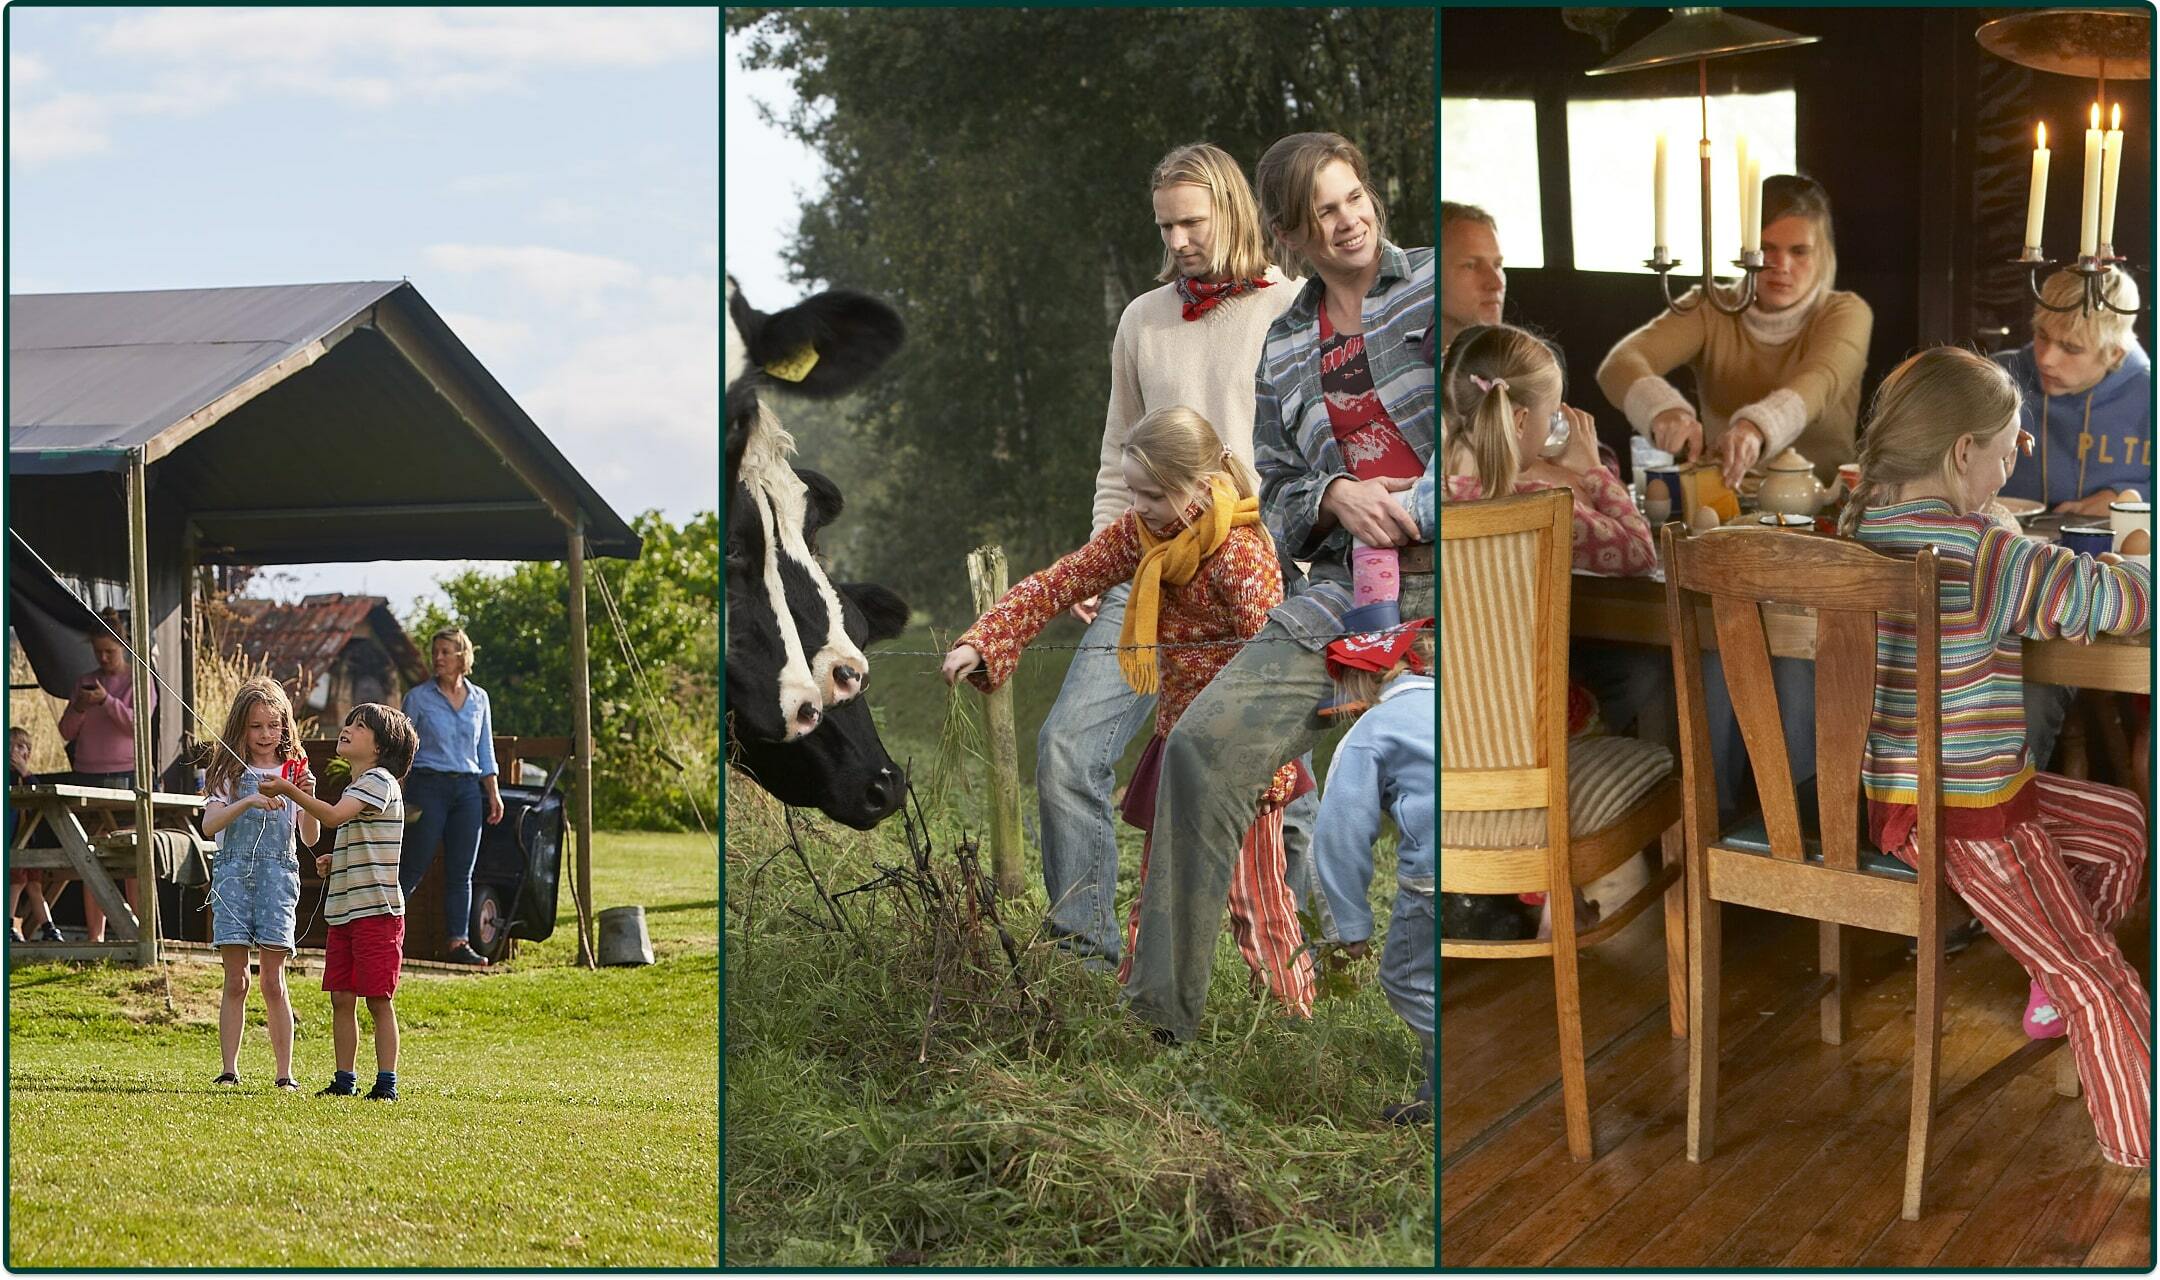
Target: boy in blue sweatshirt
[(1385, 764)]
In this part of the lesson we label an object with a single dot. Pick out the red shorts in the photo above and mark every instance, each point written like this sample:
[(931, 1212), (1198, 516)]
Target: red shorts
[(363, 956)]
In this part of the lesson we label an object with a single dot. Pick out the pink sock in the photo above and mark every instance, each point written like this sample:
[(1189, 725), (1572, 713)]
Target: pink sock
[(1373, 576)]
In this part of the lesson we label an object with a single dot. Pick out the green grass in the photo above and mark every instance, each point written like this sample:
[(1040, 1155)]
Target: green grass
[(1010, 1140), (551, 1116)]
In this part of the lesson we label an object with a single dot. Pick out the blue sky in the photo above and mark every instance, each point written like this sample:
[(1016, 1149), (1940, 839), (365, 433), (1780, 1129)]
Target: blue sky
[(548, 179), (768, 176)]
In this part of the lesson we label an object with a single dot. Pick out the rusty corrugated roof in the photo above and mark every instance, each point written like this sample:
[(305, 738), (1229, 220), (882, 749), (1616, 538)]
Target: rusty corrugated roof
[(307, 637)]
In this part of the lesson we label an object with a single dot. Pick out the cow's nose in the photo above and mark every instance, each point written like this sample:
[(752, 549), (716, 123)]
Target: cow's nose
[(884, 791), (807, 717), (847, 682)]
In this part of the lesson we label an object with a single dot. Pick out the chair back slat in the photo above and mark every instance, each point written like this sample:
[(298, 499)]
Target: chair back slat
[(1844, 703), (1503, 664), (1744, 647)]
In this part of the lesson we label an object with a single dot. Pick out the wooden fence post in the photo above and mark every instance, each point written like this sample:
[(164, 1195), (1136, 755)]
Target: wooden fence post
[(986, 575)]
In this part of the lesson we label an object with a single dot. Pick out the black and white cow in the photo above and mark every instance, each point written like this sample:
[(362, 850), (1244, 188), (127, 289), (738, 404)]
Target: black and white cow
[(795, 640)]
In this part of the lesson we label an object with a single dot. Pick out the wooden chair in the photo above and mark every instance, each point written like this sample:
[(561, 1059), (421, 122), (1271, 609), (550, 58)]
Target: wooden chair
[(1807, 853), (1522, 808)]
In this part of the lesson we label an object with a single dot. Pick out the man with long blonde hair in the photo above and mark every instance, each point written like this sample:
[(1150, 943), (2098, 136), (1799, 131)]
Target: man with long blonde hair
[(1193, 342)]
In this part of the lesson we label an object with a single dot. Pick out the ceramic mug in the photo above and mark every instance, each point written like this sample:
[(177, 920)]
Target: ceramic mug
[(2123, 517), (2088, 539)]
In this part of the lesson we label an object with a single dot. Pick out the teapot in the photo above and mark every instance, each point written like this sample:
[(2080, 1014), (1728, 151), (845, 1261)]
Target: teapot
[(1789, 486)]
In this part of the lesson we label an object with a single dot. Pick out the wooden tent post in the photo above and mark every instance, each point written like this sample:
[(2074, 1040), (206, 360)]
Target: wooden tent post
[(581, 708), (138, 533), (986, 575)]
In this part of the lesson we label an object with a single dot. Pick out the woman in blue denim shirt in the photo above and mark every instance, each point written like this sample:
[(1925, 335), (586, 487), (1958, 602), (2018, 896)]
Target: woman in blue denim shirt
[(451, 786)]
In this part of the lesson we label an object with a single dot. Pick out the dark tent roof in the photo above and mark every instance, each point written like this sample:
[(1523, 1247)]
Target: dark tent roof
[(350, 424)]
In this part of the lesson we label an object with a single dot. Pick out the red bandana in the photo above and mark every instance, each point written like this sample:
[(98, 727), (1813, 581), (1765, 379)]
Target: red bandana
[(1200, 296), (1377, 650)]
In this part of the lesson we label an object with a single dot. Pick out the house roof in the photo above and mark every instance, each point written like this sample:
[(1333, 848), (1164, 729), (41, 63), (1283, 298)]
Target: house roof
[(309, 636)]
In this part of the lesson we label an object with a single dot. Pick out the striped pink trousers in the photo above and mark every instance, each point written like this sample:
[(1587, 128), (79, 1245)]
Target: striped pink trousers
[(1263, 916), (2051, 892)]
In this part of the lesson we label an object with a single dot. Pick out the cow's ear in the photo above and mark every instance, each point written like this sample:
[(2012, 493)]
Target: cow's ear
[(823, 503), (884, 612), (852, 335)]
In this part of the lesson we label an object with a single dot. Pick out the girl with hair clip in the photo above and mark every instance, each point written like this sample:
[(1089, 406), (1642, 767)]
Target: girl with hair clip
[(255, 881), (2050, 864), (1204, 575)]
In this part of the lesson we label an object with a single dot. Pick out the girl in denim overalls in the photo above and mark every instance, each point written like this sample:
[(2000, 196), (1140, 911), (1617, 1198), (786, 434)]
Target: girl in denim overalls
[(255, 879)]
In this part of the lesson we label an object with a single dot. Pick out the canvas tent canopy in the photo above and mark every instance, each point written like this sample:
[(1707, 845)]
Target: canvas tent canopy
[(151, 432)]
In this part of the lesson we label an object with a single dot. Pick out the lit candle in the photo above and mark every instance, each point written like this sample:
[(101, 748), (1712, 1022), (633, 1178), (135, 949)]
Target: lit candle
[(2110, 169), (2036, 200), (1753, 225), (1657, 184), (2089, 211)]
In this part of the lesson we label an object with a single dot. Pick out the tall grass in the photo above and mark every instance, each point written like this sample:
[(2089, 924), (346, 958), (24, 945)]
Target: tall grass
[(1046, 1130)]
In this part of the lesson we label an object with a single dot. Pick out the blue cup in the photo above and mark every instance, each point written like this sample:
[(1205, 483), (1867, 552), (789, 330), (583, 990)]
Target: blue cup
[(2088, 539)]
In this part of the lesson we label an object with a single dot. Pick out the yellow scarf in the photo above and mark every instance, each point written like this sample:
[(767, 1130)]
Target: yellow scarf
[(1174, 560)]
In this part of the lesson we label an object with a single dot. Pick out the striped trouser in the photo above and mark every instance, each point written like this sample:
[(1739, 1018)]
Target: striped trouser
[(2051, 891), (1263, 916)]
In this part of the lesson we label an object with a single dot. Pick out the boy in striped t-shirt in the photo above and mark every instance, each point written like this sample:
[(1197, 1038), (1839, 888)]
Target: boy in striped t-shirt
[(361, 899)]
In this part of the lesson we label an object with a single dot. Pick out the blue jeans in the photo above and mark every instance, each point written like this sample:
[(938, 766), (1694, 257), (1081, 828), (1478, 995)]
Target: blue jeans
[(1406, 971), (1794, 679), (2046, 707), (447, 808), (1626, 680), (255, 878), (1094, 719)]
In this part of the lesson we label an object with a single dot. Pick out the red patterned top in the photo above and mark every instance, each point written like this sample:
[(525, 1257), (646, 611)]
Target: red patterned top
[(1611, 536), (1227, 600)]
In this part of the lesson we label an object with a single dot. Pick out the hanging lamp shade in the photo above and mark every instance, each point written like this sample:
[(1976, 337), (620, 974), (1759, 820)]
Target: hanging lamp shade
[(1698, 33), (2087, 43)]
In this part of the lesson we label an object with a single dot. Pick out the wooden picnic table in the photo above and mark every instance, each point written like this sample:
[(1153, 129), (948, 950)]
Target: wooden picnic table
[(71, 812), (1632, 611)]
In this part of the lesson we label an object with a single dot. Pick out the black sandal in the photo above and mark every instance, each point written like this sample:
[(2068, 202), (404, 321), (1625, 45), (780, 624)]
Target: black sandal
[(289, 1084), (226, 1078)]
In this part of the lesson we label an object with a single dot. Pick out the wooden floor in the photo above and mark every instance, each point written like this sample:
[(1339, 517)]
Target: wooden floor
[(1811, 1137)]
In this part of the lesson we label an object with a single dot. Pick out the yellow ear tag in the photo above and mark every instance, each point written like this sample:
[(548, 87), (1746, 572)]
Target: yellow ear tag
[(795, 366)]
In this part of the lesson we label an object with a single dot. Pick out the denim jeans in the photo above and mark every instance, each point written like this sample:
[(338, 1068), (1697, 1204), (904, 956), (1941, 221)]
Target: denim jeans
[(1794, 679), (1255, 716), (255, 878), (1406, 971), (447, 807), (1626, 679), (1094, 719), (2046, 707)]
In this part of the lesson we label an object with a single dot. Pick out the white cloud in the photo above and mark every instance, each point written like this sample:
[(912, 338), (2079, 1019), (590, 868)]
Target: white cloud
[(494, 341), (639, 410), (26, 71), (559, 276)]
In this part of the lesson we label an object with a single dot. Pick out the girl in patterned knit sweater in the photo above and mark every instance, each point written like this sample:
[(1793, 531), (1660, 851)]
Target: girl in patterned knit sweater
[(2050, 864), (1203, 569)]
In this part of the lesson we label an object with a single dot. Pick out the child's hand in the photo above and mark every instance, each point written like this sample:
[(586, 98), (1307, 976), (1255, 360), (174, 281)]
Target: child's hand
[(277, 787), (322, 864), (307, 781), (261, 801), (963, 659)]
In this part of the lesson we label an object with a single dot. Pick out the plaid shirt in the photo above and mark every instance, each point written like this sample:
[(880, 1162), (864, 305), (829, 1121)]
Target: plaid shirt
[(1294, 446)]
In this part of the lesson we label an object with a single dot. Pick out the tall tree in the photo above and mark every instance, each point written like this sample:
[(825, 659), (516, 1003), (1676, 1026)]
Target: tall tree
[(988, 176)]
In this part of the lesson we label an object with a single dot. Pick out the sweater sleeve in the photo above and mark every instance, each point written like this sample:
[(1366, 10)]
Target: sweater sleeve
[(2026, 587), (1343, 835), (1831, 362), (1633, 373), (1021, 613), (1610, 536), (1112, 498), (1247, 578)]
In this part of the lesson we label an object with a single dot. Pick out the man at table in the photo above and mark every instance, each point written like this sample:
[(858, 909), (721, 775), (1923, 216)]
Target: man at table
[(2085, 396), (1473, 285)]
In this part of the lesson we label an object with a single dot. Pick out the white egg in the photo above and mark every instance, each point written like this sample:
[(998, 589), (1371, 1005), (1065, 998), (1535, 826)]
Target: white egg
[(2128, 495), (1703, 521)]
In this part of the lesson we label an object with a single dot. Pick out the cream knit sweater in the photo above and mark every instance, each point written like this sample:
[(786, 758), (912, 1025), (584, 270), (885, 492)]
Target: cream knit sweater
[(1159, 359)]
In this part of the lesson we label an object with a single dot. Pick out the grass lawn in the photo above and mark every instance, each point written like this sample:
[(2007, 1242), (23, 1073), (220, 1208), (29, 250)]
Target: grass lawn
[(551, 1117), (1009, 1140)]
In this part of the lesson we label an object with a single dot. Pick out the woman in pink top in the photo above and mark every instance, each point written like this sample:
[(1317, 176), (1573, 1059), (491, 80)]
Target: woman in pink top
[(99, 727)]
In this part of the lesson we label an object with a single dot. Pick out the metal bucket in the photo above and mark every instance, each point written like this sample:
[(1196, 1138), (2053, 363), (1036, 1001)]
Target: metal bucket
[(623, 939)]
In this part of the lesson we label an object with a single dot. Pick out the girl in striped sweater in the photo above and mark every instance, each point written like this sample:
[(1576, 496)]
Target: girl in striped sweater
[(2050, 864)]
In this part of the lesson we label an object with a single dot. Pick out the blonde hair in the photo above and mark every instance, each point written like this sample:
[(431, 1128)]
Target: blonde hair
[(1789, 195), (1354, 685), (1238, 252), (1490, 369), (223, 771), (2092, 329), (1285, 178), (1181, 450), (456, 636), (1920, 413)]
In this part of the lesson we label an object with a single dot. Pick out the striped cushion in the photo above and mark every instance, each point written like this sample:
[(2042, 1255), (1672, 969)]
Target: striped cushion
[(1606, 776)]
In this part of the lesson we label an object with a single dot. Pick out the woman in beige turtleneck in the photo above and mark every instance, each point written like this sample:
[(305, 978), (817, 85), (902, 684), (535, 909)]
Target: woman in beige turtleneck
[(1785, 373)]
